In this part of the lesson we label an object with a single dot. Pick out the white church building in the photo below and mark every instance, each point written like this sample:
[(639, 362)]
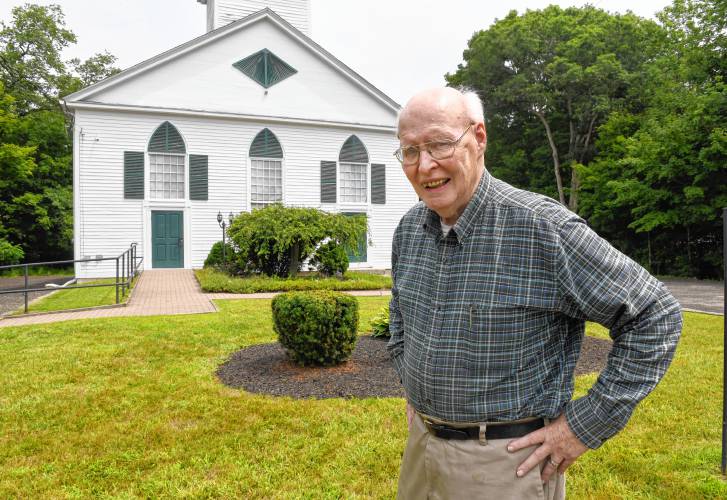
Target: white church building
[(251, 113)]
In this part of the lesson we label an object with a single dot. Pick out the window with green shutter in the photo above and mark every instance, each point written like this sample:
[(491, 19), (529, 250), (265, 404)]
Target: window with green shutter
[(378, 184), (167, 155), (353, 167), (266, 170), (198, 173), (133, 175), (265, 68), (328, 182)]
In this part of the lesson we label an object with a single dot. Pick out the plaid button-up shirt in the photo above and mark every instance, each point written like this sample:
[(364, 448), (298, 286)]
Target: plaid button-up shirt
[(487, 323)]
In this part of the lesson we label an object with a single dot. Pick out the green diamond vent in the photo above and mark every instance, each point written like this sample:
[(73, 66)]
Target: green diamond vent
[(265, 68)]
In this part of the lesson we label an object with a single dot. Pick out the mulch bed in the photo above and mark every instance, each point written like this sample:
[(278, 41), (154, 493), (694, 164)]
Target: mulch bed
[(266, 369)]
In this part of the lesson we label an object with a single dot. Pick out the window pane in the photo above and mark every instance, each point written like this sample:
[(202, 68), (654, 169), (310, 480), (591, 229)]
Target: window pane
[(166, 176), (266, 185), (354, 185)]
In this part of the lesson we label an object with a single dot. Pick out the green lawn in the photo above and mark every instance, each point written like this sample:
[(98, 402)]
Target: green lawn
[(131, 408), (214, 281), (76, 298)]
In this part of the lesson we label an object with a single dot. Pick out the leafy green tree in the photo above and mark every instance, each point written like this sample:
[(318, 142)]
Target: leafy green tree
[(660, 180), (277, 240), (36, 210), (562, 69), (30, 55)]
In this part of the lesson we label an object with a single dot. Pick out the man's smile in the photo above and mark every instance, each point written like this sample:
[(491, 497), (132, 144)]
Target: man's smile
[(435, 184)]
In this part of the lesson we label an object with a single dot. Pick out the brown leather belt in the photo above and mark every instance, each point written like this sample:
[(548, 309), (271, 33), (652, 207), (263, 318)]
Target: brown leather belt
[(492, 431)]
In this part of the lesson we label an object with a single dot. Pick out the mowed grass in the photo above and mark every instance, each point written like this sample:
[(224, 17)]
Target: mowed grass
[(76, 298), (131, 408)]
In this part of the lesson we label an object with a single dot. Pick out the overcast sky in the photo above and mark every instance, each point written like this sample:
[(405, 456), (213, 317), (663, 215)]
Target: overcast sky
[(400, 46)]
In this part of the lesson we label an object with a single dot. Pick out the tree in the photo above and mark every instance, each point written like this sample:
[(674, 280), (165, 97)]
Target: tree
[(36, 209), (277, 240), (565, 69), (30, 55)]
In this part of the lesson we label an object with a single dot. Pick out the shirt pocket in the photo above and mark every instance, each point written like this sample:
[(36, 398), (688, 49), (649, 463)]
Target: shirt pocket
[(499, 338)]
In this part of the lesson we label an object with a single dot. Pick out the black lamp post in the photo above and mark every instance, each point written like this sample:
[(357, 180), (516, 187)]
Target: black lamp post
[(223, 224)]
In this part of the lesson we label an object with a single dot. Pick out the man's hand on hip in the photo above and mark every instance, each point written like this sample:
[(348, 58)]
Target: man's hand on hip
[(558, 445)]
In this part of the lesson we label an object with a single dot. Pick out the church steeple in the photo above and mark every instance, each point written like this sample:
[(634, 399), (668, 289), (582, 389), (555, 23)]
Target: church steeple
[(222, 12)]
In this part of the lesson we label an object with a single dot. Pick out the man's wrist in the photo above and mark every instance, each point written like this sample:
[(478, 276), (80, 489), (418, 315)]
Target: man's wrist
[(589, 427)]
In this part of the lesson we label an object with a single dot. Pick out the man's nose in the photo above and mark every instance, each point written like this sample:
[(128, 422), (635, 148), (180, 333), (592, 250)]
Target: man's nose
[(426, 161)]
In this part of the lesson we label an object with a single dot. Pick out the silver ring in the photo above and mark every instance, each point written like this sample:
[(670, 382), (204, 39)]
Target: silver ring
[(554, 464)]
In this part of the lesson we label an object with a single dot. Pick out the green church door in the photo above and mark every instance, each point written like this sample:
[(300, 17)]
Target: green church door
[(167, 238)]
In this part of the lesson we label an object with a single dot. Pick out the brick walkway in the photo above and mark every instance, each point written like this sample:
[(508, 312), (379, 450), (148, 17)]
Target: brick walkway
[(159, 291)]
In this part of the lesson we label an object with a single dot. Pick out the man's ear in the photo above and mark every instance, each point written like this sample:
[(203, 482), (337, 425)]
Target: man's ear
[(481, 136)]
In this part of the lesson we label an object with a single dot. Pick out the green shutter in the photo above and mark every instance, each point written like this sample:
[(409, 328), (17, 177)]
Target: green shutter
[(353, 151), (197, 177), (378, 184), (362, 243), (133, 175), (166, 139), (266, 145), (328, 182), (265, 68)]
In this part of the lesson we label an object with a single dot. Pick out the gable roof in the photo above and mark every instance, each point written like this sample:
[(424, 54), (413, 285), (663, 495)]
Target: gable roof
[(87, 93)]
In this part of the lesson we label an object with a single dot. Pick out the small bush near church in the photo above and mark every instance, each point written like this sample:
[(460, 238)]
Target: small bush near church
[(316, 328), (214, 258), (330, 259)]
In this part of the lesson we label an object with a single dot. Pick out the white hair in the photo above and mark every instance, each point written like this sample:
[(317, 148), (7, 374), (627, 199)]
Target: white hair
[(473, 105)]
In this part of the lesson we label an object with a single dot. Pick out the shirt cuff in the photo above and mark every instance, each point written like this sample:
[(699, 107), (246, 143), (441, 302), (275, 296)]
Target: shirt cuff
[(587, 424), (398, 360)]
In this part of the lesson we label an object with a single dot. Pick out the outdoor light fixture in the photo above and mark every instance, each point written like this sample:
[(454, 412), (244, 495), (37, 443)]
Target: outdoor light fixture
[(223, 224)]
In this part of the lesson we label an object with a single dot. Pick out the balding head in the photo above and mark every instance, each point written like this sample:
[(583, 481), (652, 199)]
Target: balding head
[(455, 106)]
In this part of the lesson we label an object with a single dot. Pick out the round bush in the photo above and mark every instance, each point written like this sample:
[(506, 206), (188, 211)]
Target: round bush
[(316, 328)]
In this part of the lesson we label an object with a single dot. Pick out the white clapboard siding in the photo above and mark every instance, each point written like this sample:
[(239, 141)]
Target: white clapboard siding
[(205, 80), (296, 12), (106, 223)]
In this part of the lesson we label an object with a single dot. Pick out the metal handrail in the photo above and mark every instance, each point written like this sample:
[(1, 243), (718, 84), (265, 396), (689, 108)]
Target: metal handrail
[(127, 268)]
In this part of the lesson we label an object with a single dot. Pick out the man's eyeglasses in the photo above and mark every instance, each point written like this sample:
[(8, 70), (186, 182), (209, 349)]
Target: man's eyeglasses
[(439, 150)]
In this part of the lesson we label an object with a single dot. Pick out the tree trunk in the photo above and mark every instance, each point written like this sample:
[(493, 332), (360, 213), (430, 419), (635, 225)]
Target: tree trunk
[(556, 160), (294, 260), (575, 185)]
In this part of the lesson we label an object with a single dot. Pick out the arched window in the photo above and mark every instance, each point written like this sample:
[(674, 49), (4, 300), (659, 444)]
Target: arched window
[(167, 154), (266, 170), (353, 164)]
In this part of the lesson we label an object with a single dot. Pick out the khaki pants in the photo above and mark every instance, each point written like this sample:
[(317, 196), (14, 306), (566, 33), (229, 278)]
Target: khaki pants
[(435, 468)]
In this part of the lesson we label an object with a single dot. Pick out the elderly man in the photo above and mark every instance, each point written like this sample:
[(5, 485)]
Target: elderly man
[(492, 288)]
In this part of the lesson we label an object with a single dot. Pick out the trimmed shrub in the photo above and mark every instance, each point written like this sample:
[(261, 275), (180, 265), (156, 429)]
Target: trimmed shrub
[(316, 328), (10, 254), (214, 258), (380, 323), (330, 258)]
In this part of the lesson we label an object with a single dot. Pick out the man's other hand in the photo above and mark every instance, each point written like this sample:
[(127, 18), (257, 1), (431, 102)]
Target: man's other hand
[(559, 447)]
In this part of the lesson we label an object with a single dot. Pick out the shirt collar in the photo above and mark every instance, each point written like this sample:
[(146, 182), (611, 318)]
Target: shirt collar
[(467, 220)]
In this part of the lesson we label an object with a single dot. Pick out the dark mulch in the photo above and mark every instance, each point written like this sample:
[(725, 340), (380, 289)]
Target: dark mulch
[(369, 372)]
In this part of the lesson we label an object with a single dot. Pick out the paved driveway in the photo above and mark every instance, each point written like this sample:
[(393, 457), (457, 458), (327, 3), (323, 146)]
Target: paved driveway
[(700, 295), (11, 301)]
